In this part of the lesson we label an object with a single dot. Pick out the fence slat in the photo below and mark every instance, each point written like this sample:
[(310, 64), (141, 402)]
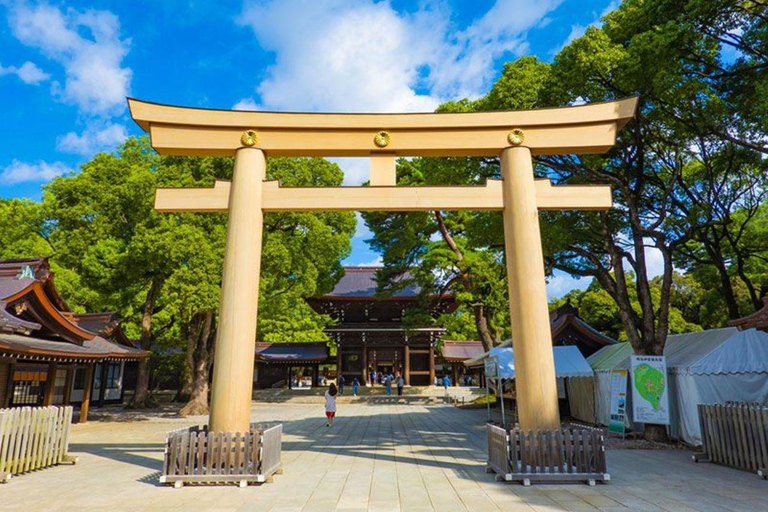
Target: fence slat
[(32, 438), (735, 435)]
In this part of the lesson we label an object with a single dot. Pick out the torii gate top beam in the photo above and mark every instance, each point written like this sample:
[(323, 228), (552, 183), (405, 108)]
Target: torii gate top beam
[(202, 132)]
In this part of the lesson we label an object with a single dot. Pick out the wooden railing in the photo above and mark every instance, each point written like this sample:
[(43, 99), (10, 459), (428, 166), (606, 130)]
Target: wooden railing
[(33, 438), (568, 454), (735, 435), (196, 455)]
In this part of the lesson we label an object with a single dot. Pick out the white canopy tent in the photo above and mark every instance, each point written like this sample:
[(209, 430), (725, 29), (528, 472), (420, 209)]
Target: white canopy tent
[(706, 367), (568, 361)]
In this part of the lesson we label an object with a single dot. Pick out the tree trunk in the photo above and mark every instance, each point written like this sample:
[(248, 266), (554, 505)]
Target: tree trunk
[(481, 320), (481, 323), (656, 433), (186, 379), (141, 397), (202, 335)]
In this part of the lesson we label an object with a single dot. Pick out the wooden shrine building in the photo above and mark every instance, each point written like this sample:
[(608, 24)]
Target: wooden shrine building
[(50, 355), (757, 320), (370, 335)]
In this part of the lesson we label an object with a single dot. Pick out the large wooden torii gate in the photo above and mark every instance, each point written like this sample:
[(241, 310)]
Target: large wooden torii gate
[(514, 136)]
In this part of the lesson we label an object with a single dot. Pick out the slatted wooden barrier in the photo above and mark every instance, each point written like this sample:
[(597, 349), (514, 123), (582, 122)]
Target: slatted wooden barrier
[(33, 438), (196, 455), (575, 454), (735, 435)]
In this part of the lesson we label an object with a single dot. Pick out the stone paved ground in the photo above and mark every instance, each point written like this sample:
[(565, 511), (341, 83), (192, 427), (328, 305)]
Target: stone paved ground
[(377, 457)]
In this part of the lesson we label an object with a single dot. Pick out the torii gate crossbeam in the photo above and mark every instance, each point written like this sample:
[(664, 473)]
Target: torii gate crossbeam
[(514, 136)]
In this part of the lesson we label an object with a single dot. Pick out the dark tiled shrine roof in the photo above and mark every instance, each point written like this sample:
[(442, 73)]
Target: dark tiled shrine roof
[(97, 349), (567, 315), (12, 324), (360, 282), (458, 351), (291, 352)]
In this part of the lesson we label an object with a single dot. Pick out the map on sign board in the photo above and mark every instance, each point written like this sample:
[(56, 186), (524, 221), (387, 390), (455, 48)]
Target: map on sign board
[(650, 398)]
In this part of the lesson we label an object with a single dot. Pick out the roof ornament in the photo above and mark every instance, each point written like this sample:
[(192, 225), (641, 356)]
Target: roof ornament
[(26, 272)]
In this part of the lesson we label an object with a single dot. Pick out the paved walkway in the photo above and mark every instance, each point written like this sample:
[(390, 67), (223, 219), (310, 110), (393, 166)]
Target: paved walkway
[(377, 457)]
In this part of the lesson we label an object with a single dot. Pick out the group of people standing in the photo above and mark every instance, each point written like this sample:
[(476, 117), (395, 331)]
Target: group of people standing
[(387, 380)]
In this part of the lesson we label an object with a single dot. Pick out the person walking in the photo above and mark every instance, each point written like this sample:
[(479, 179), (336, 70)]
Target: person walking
[(330, 404), (341, 380), (355, 384), (446, 383), (388, 384), (400, 383)]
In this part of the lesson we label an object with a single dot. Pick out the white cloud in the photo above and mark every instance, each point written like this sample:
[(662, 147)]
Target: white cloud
[(245, 104), (28, 73), (357, 170), (561, 283), (339, 55), (94, 139), (21, 172), (654, 260), (363, 232), (377, 262), (578, 30), (87, 45)]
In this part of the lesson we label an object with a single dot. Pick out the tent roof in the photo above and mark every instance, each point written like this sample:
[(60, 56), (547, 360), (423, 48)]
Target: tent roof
[(715, 351), (568, 362), (609, 357)]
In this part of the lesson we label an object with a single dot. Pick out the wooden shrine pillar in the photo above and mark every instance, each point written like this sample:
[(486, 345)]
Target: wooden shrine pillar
[(103, 381), (50, 382), (407, 365), (455, 374), (431, 364), (364, 365), (231, 390), (338, 362), (87, 387), (531, 335), (68, 385)]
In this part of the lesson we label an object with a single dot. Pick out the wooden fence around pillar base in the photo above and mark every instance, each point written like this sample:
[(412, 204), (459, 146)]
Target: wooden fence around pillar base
[(33, 438), (196, 455), (570, 454), (735, 435)]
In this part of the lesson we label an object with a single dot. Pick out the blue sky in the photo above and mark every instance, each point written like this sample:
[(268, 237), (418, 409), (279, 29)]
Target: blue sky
[(66, 67)]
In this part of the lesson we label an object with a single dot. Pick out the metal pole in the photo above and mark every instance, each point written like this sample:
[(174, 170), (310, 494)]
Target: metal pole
[(488, 398), (501, 396)]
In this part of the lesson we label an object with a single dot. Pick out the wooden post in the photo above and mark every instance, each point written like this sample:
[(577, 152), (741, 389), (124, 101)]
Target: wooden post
[(431, 364), (103, 379), (407, 365), (87, 386), (68, 386), (531, 335), (338, 363), (236, 337), (455, 372), (364, 364), (49, 385)]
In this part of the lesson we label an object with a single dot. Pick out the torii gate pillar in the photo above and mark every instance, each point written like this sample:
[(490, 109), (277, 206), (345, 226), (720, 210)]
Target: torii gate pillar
[(536, 385), (233, 372)]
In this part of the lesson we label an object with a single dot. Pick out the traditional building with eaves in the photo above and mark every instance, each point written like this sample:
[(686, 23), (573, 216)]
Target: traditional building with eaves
[(50, 355)]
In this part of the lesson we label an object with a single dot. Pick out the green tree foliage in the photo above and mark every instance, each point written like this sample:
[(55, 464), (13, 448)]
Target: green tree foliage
[(112, 251), (685, 173)]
